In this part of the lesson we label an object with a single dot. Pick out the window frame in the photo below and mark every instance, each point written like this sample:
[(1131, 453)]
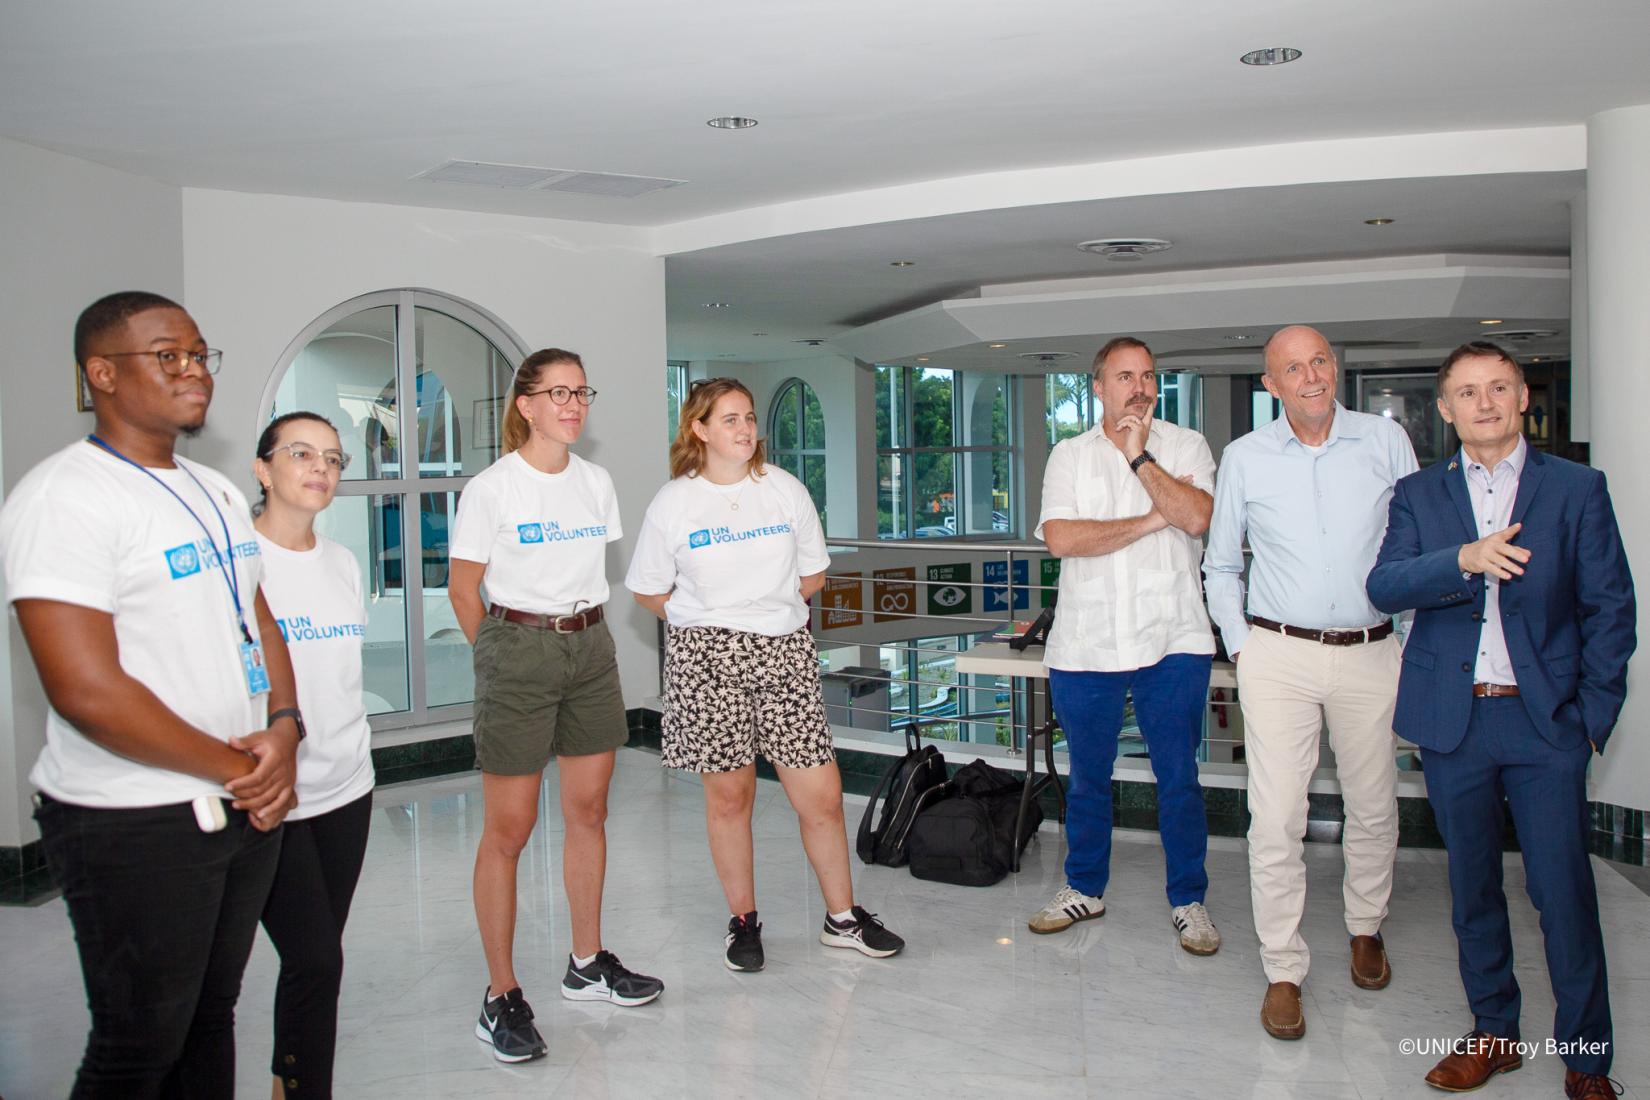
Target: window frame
[(909, 453), (409, 489), (804, 454)]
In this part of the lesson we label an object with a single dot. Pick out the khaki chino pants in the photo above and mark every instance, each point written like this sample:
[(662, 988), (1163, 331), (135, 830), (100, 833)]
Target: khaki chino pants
[(1289, 688)]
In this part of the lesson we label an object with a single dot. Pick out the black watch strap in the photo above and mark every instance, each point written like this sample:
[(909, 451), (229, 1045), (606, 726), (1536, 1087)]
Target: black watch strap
[(1140, 460), (292, 713)]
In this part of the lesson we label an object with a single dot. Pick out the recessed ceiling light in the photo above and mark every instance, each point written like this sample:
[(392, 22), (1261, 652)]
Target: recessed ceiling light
[(1535, 359), (810, 343), (922, 358), (730, 122), (718, 305), (1378, 221), (1493, 321), (997, 345), (1239, 336), (1271, 55), (903, 263), (1005, 941), (1125, 248)]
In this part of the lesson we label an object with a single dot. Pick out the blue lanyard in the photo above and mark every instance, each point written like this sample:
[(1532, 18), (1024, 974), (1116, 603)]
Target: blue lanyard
[(226, 561)]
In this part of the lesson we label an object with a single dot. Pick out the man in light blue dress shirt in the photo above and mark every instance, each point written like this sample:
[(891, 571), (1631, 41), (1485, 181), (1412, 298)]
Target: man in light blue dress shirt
[(1309, 494)]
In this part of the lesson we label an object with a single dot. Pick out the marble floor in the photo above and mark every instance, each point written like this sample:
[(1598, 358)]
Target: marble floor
[(976, 1006)]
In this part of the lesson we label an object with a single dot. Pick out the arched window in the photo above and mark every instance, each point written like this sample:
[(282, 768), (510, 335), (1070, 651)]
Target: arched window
[(416, 384), (796, 438)]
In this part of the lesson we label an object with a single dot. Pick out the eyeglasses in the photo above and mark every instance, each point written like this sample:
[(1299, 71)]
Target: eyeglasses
[(561, 395), (176, 360), (337, 461)]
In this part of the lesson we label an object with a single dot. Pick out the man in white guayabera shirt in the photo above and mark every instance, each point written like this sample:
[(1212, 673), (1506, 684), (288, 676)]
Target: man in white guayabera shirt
[(1309, 493), (172, 737), (1124, 505)]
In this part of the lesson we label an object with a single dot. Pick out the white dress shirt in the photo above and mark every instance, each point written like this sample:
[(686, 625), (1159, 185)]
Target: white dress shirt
[(1493, 493), (1130, 608)]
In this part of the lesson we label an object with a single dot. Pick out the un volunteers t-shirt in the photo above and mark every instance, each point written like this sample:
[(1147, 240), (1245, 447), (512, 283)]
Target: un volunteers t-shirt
[(315, 596), (85, 528), (735, 554), (543, 537)]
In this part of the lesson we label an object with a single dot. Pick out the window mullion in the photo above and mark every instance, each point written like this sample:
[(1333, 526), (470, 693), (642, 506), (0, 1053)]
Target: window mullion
[(412, 539)]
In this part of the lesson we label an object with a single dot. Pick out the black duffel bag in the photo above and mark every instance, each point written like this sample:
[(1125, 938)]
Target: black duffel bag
[(967, 837), (915, 779)]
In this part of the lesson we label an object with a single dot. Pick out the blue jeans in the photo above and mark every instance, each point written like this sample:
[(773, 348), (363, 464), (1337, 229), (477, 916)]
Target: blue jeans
[(1169, 698)]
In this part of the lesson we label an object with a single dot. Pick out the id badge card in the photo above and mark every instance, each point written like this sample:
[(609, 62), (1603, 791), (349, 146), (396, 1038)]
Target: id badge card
[(252, 663)]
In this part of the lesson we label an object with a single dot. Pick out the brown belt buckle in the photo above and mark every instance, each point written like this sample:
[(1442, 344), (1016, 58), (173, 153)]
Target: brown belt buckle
[(1340, 637), (577, 620)]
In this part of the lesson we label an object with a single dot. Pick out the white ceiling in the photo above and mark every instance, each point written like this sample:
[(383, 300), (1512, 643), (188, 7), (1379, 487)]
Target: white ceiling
[(349, 100)]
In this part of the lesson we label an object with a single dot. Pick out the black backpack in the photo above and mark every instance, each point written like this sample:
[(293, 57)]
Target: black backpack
[(917, 778), (967, 838)]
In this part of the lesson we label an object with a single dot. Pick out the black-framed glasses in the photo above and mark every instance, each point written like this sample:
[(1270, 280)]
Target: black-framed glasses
[(177, 360), (301, 453), (561, 395)]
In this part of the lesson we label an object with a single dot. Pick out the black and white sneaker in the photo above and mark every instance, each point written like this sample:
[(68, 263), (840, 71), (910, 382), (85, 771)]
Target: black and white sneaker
[(507, 1023), (864, 934), (606, 979), (744, 943)]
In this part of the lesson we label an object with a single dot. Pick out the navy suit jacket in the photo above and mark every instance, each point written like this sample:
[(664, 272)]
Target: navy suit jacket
[(1569, 620)]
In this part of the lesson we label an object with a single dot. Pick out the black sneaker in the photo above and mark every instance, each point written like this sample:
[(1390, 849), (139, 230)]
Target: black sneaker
[(864, 934), (507, 1023), (744, 943), (606, 979)]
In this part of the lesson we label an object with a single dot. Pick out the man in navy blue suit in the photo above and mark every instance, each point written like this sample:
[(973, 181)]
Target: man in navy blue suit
[(1513, 676)]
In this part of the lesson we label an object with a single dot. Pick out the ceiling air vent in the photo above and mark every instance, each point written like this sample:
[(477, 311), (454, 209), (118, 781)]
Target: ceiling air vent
[(1047, 356), (522, 177), (1126, 249), (1521, 335)]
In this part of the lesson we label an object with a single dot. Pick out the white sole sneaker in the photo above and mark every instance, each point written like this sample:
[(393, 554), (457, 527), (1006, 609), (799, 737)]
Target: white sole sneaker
[(855, 944), (602, 993), (487, 1037)]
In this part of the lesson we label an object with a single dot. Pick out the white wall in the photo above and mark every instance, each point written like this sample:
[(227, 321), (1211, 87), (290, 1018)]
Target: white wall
[(259, 268), (73, 232)]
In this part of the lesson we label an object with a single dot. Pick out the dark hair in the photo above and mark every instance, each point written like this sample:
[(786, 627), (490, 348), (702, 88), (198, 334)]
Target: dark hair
[(515, 430), (1120, 343), (266, 447), (110, 312), (1475, 349), (687, 451)]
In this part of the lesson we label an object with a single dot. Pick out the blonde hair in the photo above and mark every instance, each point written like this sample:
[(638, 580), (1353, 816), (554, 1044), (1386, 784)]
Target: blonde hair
[(516, 431), (687, 450)]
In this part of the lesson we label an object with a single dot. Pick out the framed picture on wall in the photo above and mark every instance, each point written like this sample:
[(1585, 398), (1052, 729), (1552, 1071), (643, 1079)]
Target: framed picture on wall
[(1411, 400), (82, 393), (487, 421)]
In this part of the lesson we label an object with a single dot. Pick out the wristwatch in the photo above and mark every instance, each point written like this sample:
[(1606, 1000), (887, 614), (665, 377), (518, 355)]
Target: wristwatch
[(1143, 458), (292, 713)]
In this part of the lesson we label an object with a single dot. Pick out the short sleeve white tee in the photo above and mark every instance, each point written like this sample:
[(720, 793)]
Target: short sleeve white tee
[(735, 554), (1131, 608), (85, 528), (315, 596), (543, 537)]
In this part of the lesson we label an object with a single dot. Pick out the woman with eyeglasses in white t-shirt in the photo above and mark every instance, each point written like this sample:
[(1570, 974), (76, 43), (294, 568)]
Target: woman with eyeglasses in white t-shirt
[(313, 588)]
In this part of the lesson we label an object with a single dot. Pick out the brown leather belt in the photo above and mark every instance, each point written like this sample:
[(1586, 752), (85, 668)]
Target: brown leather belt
[(1493, 691), (1325, 637), (561, 624)]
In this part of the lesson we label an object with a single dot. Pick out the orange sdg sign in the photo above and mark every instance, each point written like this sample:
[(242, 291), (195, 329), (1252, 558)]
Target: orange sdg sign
[(841, 602), (894, 594)]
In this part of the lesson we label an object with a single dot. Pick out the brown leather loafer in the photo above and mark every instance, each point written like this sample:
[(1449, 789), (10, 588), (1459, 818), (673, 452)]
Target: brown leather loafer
[(1370, 969), (1476, 1058), (1589, 1086), (1280, 1012)]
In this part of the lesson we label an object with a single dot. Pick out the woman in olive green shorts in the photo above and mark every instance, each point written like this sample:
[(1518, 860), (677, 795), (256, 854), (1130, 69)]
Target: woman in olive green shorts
[(534, 526)]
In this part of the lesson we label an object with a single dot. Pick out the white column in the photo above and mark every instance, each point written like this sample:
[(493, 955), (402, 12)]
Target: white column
[(1581, 393), (1618, 280)]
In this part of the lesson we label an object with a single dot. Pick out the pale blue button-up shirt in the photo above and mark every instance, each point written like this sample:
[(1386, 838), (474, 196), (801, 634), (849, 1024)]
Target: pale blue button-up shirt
[(1314, 522), (1493, 493)]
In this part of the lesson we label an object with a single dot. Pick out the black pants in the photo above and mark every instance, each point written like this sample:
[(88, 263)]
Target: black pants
[(320, 864), (164, 916)]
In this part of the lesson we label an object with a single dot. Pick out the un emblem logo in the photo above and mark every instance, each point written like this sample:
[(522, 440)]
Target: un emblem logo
[(530, 532), (698, 539), (183, 561)]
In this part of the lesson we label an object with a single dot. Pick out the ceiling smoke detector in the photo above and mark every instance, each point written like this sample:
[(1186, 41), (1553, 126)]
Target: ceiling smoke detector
[(1048, 356), (1126, 249), (810, 343)]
